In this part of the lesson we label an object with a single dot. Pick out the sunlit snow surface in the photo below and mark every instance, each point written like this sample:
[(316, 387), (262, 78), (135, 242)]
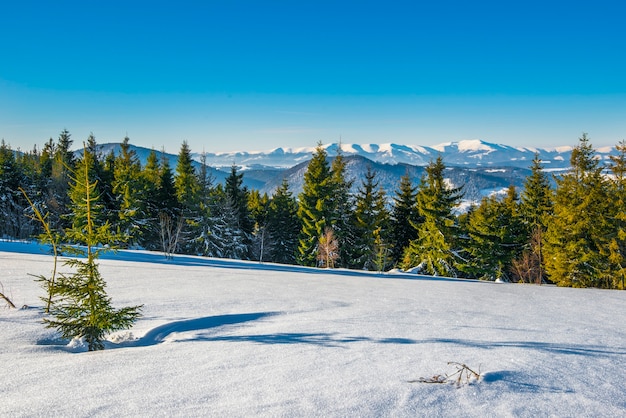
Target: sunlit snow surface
[(228, 338)]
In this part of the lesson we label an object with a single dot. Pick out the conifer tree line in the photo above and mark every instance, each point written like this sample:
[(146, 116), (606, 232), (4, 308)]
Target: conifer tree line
[(571, 234)]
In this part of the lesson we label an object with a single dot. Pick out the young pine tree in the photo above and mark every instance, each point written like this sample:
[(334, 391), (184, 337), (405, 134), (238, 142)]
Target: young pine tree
[(81, 307)]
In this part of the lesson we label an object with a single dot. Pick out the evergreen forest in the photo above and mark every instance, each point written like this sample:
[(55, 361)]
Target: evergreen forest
[(570, 231)]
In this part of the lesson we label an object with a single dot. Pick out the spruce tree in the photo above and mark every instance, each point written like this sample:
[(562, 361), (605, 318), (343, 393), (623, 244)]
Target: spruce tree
[(228, 238), (204, 215), (371, 226), (315, 210), (130, 191), (170, 220), (495, 238), (579, 231), (186, 182), (12, 203), (341, 210), (261, 238), (187, 188), (283, 225), (404, 218), (81, 307), (237, 197), (617, 246), (535, 209), (63, 162), (435, 250)]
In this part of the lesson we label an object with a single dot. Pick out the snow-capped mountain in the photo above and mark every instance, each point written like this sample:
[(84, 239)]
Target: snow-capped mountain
[(482, 168), (466, 153)]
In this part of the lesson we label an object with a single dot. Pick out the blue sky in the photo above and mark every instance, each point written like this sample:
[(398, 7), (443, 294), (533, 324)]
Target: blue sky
[(255, 75)]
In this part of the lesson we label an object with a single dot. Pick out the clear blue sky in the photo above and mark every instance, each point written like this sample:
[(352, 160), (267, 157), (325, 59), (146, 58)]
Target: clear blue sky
[(253, 75)]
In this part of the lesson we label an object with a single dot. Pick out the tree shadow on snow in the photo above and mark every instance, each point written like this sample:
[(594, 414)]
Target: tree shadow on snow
[(518, 382), (159, 334), (558, 348)]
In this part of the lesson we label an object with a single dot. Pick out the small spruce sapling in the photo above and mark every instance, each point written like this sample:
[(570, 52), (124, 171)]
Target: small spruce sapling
[(81, 306)]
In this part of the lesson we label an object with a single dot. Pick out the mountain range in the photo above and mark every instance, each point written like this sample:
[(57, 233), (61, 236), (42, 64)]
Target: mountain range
[(467, 153), (481, 167)]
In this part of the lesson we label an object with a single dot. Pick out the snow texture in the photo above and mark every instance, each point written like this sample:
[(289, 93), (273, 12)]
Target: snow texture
[(232, 338)]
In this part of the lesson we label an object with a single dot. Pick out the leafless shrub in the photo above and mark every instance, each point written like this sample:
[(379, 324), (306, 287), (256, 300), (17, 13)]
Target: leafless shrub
[(462, 376), (5, 297)]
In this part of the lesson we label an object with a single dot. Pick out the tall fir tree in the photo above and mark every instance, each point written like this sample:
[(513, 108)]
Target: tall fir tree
[(150, 179), (435, 250), (203, 216), (261, 239), (405, 219), (341, 210), (186, 182), (130, 191), (283, 225), (535, 209), (227, 239), (617, 246), (12, 201), (63, 162), (495, 238), (90, 163), (237, 197), (578, 234), (187, 187), (370, 251), (170, 219), (315, 210)]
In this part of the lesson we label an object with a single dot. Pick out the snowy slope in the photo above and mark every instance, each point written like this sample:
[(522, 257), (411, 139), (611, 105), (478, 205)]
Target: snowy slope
[(229, 338)]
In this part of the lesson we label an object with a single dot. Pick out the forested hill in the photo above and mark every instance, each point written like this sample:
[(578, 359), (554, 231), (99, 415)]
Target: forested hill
[(480, 177)]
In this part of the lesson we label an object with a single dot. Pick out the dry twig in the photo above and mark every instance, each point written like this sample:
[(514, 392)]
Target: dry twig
[(462, 375)]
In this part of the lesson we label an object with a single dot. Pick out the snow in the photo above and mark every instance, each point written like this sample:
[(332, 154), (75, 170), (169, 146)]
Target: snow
[(231, 338), (464, 146)]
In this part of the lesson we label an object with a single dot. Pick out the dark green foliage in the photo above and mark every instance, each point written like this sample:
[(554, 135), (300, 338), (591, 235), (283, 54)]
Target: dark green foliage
[(435, 250), (404, 218), (574, 232), (315, 210), (495, 238), (371, 248), (535, 209), (261, 240), (186, 182), (130, 191), (341, 210), (283, 226), (12, 202)]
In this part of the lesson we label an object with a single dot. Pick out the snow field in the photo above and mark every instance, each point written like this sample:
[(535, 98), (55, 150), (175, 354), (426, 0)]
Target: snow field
[(227, 338)]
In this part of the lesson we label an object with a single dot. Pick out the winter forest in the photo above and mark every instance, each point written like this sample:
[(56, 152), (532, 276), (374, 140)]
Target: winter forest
[(571, 234)]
